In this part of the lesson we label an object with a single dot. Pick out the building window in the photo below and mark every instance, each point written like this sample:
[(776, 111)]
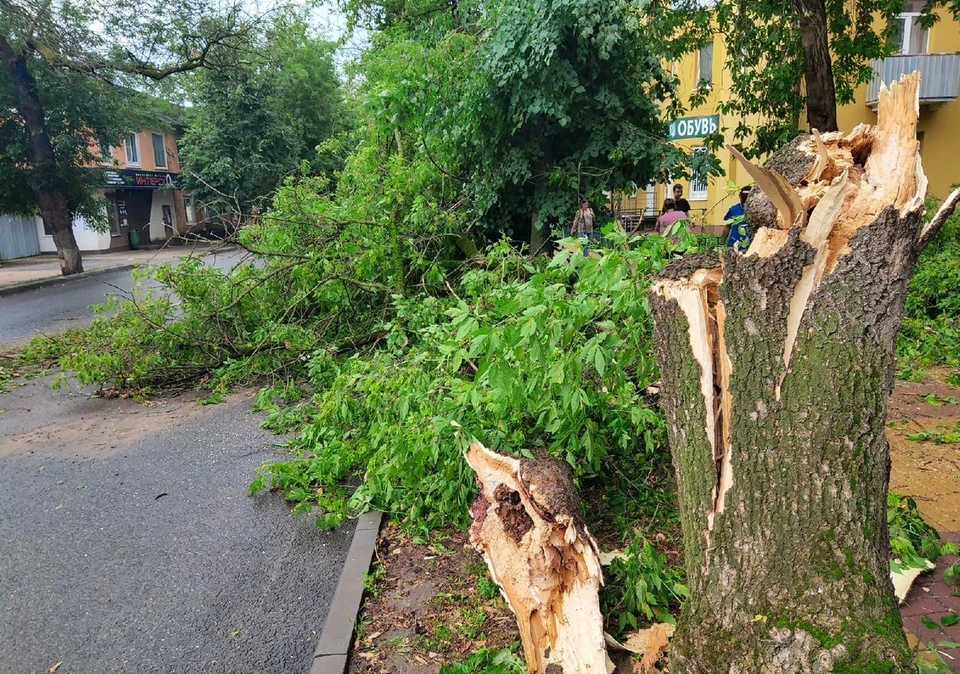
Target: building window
[(47, 229), (909, 37), (698, 178), (188, 207), (159, 151), (705, 66), (132, 145), (651, 201)]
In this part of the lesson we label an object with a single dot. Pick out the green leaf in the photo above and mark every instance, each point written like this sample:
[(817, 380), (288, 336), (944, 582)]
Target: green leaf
[(949, 620)]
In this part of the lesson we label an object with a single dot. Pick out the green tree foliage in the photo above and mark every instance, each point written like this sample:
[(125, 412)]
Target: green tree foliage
[(262, 112), (930, 333), (567, 101), (82, 115), (520, 106)]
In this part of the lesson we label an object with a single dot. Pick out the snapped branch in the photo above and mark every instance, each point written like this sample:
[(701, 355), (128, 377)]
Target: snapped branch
[(931, 228)]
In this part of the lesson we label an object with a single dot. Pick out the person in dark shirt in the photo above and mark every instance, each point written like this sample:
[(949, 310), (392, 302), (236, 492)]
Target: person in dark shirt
[(739, 236), (679, 203)]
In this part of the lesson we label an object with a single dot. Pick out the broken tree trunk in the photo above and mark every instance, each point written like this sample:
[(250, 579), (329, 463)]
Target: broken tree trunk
[(528, 527), (776, 366)]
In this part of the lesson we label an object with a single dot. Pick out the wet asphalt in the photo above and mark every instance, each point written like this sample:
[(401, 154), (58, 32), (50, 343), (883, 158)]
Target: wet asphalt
[(58, 307), (71, 304), (140, 550)]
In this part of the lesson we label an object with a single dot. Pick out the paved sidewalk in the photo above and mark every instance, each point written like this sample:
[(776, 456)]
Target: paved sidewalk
[(16, 272)]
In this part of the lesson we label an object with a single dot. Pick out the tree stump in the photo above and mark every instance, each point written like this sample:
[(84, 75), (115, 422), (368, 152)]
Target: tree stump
[(777, 365), (528, 527)]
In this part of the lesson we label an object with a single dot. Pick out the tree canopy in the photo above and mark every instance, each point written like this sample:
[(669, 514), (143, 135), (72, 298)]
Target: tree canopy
[(66, 74), (258, 116)]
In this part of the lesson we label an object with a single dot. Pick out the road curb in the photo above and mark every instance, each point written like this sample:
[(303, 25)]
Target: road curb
[(54, 280), (330, 656)]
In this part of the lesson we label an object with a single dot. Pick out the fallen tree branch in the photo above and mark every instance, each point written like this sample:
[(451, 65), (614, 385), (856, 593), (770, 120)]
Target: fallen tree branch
[(528, 527), (931, 228)]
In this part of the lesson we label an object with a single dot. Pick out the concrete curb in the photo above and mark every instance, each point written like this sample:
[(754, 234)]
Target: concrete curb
[(54, 280), (330, 657)]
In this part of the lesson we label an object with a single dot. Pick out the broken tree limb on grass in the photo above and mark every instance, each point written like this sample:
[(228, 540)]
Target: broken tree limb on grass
[(776, 367), (528, 527)]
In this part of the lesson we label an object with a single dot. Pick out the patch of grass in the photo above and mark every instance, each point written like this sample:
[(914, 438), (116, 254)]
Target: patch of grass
[(938, 436), (487, 588), (912, 540), (371, 581), (952, 379), (487, 661), (935, 400)]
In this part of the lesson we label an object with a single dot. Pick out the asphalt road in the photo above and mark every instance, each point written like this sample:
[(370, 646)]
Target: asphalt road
[(128, 542), (70, 304)]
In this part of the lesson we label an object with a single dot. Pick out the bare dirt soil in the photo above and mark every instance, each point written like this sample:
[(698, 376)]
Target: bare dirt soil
[(430, 605), (927, 470)]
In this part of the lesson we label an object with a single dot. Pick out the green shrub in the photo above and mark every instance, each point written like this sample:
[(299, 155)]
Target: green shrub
[(640, 587), (548, 353)]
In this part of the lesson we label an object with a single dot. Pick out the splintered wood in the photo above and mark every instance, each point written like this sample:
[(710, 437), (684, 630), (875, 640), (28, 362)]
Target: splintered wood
[(850, 179), (538, 550)]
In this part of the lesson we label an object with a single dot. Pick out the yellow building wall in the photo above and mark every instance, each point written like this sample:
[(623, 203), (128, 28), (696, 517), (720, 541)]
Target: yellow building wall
[(719, 198), (939, 127)]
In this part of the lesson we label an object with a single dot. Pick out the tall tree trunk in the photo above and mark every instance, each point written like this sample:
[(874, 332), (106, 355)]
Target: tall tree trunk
[(817, 65), (45, 180), (777, 366), (539, 236)]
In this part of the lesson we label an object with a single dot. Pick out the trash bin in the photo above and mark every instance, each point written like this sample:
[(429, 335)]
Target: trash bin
[(134, 236)]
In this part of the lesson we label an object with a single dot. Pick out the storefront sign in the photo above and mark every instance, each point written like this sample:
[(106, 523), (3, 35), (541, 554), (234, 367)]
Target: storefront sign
[(141, 180), (694, 127)]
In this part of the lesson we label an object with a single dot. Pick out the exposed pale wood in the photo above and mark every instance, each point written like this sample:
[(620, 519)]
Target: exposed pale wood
[(538, 550), (767, 241), (822, 160), (657, 643), (724, 368)]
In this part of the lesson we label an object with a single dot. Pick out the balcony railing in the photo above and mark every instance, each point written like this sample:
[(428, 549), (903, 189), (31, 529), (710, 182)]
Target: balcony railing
[(939, 76)]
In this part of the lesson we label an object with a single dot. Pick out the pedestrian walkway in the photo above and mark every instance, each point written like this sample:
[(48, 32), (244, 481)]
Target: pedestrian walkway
[(16, 272)]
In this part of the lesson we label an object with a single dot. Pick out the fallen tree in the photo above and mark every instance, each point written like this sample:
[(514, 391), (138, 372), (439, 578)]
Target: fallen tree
[(776, 367)]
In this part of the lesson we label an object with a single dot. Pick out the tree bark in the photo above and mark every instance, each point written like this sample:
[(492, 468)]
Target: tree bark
[(817, 65), (527, 524), (776, 367), (45, 181), (539, 236)]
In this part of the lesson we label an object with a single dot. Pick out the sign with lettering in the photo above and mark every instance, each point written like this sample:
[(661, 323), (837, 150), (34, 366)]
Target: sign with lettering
[(694, 127), (141, 180)]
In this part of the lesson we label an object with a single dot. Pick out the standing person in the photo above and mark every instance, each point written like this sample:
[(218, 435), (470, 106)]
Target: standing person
[(679, 202), (583, 225), (670, 215), (739, 236)]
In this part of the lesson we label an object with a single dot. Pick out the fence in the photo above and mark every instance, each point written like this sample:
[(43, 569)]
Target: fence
[(18, 237)]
